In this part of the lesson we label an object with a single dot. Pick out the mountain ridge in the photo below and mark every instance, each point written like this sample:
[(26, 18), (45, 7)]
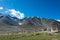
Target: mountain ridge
[(28, 24)]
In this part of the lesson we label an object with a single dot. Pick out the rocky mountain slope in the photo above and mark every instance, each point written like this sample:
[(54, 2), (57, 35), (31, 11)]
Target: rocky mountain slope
[(28, 24), (37, 24)]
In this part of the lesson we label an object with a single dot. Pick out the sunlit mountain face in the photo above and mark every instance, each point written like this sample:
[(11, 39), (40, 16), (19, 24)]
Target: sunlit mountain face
[(11, 23)]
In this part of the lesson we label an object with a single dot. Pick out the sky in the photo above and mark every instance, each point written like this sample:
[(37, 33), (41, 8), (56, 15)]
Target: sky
[(25, 8)]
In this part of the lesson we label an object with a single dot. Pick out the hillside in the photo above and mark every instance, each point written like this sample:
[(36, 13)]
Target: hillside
[(38, 24), (10, 24)]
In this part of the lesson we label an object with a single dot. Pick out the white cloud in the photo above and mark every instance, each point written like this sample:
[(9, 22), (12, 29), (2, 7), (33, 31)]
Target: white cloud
[(58, 20), (1, 8), (17, 14)]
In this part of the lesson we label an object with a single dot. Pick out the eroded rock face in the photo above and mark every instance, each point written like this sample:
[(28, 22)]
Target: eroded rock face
[(28, 24), (37, 24)]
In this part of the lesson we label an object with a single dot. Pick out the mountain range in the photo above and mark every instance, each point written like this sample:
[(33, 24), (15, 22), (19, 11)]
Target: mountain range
[(10, 24)]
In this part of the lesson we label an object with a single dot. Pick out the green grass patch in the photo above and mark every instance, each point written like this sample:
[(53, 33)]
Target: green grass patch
[(32, 36)]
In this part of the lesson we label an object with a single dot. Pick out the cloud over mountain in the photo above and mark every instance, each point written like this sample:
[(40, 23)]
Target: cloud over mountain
[(1, 8), (12, 13), (15, 13)]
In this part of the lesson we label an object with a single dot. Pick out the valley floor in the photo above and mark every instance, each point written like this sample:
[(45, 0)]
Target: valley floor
[(32, 36)]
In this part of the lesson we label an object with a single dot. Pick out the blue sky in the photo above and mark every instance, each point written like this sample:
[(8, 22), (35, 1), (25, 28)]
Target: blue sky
[(42, 8)]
